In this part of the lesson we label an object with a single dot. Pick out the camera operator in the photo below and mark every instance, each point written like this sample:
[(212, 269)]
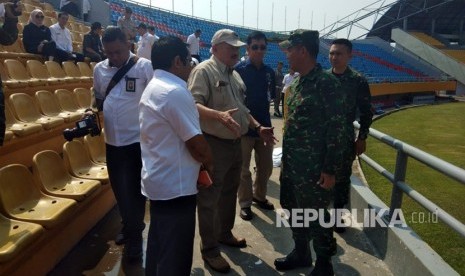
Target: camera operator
[(9, 13), (119, 82)]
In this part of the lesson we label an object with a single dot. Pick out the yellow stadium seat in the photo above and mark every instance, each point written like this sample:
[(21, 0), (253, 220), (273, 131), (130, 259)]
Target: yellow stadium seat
[(23, 18), (67, 101), (56, 71), (21, 199), (20, 28), (92, 65), (48, 21), (39, 71), (16, 235), (28, 7), (85, 69), (26, 110), (49, 106), (50, 172), (17, 71), (79, 163), (19, 128), (73, 71), (9, 82), (8, 135), (85, 29), (83, 97), (96, 147)]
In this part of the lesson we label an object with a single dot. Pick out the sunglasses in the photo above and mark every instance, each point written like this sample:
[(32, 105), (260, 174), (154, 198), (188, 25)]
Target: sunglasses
[(39, 16), (256, 47)]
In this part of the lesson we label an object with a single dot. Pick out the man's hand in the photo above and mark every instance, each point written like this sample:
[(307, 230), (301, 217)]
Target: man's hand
[(327, 181), (225, 117), (360, 146), (266, 133)]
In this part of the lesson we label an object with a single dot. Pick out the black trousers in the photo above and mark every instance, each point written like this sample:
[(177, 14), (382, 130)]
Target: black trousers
[(124, 166), (171, 237), (2, 115)]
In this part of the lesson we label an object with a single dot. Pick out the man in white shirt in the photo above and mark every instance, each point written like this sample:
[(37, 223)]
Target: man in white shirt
[(122, 132), (62, 37), (288, 78), (173, 148), (146, 40), (193, 41)]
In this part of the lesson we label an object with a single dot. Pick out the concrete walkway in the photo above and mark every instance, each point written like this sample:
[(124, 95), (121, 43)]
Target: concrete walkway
[(97, 254)]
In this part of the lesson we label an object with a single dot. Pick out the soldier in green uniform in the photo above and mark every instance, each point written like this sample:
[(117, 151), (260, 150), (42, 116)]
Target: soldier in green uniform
[(311, 151), (358, 101)]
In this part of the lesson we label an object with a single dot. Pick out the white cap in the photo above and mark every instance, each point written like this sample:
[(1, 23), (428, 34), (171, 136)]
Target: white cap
[(228, 36)]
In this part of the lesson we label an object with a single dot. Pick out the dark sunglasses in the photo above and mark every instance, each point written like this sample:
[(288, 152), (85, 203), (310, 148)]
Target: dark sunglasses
[(256, 47), (39, 16)]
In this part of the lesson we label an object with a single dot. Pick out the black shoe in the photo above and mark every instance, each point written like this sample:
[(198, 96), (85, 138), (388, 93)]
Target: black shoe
[(277, 114), (120, 239), (322, 268), (340, 230), (264, 204), (246, 213), (291, 261)]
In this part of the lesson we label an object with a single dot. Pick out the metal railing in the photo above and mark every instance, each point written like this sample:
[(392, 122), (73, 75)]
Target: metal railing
[(404, 151)]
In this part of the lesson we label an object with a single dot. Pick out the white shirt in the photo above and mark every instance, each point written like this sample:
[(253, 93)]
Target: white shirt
[(168, 118), (287, 80), (121, 108), (62, 37), (85, 6), (144, 46), (194, 44)]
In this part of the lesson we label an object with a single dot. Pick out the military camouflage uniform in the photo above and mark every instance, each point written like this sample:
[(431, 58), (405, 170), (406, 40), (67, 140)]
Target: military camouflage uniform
[(311, 145), (357, 98)]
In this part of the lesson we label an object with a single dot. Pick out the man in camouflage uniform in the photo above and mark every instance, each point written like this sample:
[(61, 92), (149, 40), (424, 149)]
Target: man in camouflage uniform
[(311, 144), (358, 99)]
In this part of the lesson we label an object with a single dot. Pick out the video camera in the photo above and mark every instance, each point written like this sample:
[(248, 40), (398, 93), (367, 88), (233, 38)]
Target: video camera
[(90, 124)]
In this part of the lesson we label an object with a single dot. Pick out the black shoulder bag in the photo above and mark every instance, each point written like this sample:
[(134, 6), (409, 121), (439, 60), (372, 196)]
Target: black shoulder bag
[(116, 78)]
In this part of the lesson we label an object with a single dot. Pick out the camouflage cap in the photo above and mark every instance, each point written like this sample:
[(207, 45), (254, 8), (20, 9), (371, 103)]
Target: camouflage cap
[(307, 38)]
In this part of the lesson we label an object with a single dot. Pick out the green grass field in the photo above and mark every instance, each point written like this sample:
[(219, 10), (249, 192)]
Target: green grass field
[(440, 131)]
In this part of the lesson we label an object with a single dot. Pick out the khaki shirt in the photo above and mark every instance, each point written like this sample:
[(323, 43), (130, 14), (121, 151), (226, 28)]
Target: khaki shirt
[(218, 87)]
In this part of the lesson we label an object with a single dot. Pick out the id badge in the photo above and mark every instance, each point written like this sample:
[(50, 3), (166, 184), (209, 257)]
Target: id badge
[(130, 84)]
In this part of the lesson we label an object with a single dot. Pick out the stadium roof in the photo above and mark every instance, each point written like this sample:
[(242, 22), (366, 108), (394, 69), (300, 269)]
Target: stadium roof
[(446, 15)]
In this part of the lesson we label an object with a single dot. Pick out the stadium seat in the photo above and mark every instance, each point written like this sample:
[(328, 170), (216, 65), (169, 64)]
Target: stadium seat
[(85, 69), (39, 71), (80, 164), (8, 135), (15, 236), (19, 128), (9, 82), (50, 172), (21, 199), (73, 71), (48, 21), (67, 101), (96, 147), (83, 97), (25, 109), (56, 71), (49, 106), (85, 29), (92, 65), (17, 71)]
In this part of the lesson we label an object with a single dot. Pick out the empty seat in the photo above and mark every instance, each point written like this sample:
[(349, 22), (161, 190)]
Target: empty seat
[(79, 163), (83, 97), (92, 65), (8, 135), (21, 199), (16, 235), (39, 71), (96, 147), (17, 71), (67, 101), (50, 172), (9, 82), (85, 29), (19, 128), (49, 106), (73, 71), (85, 69), (25, 109), (56, 71)]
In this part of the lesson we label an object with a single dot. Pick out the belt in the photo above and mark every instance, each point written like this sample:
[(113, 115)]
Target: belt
[(227, 141)]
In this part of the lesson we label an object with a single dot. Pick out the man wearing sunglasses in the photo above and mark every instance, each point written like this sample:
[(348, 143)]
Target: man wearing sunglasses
[(259, 79)]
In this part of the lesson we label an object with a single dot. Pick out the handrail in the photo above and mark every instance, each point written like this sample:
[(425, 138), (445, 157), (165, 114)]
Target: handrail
[(404, 151)]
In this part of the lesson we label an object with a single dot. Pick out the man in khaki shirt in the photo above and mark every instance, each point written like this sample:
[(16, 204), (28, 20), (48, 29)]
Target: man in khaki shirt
[(219, 94)]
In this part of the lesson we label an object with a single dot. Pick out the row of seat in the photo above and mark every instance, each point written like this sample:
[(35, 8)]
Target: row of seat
[(37, 73), (26, 115), (33, 202)]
